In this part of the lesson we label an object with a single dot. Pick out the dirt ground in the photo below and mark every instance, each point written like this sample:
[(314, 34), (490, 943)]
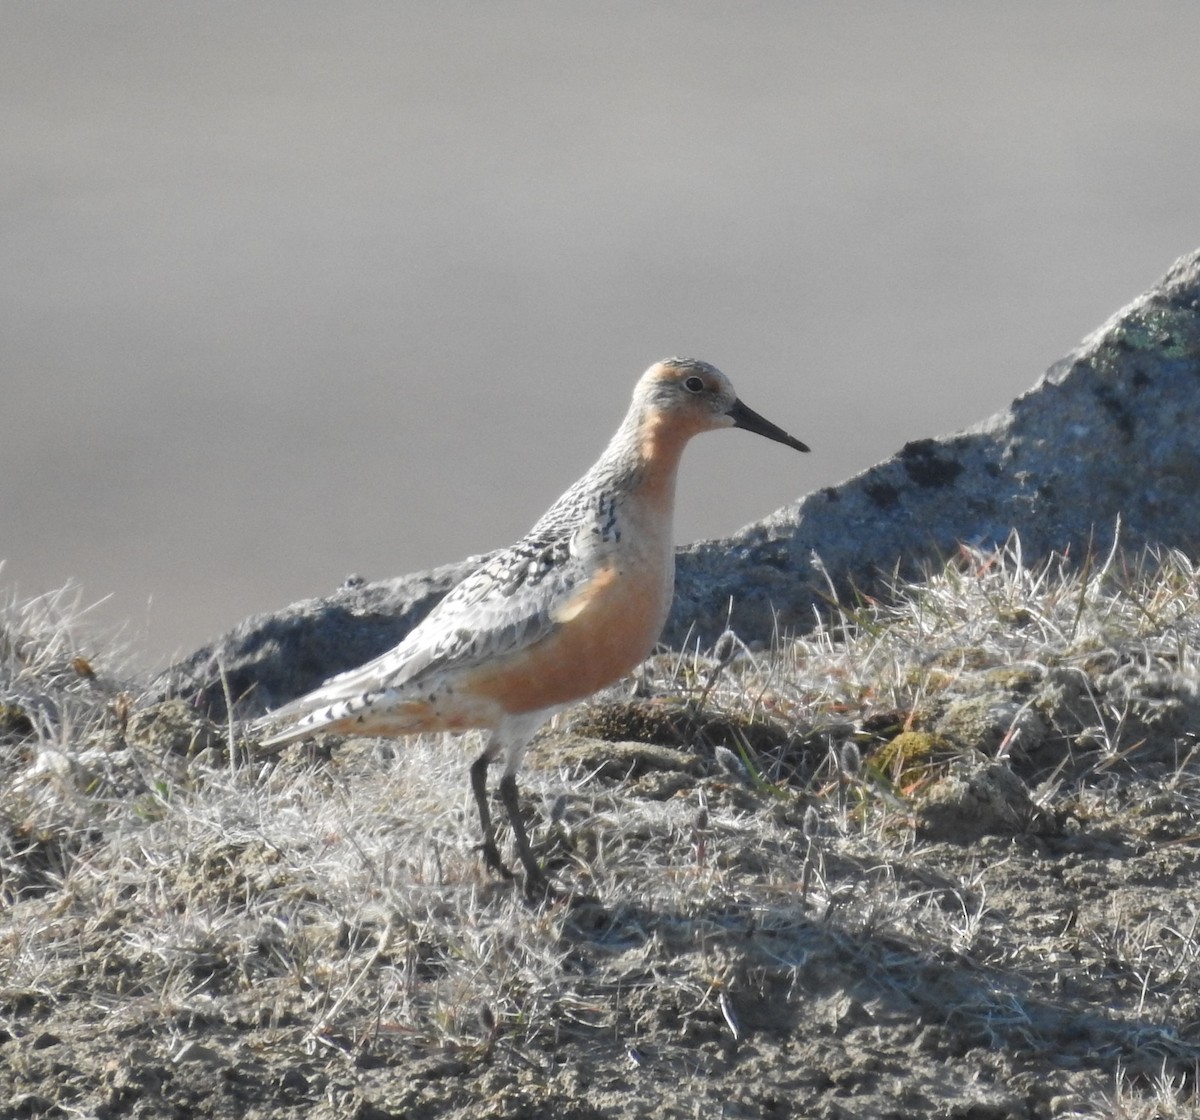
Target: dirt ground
[(1065, 982), (959, 881)]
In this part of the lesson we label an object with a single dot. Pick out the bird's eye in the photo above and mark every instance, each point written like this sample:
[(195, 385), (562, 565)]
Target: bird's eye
[(693, 384)]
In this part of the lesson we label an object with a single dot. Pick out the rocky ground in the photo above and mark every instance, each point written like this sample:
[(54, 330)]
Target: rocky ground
[(936, 859)]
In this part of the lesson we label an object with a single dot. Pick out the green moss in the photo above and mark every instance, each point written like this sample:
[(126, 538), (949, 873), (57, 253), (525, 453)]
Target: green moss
[(912, 756), (1161, 330), (1019, 679), (928, 678)]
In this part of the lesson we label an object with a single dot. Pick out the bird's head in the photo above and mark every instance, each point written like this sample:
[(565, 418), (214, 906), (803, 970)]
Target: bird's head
[(687, 396)]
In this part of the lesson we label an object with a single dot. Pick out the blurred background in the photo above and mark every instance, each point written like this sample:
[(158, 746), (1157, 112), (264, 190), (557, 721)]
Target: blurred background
[(296, 290)]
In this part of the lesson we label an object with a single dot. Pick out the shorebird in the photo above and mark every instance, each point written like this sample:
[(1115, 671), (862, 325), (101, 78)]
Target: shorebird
[(570, 608)]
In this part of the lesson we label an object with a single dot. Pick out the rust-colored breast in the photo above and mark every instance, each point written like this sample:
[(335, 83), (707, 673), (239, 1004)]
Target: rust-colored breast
[(606, 629)]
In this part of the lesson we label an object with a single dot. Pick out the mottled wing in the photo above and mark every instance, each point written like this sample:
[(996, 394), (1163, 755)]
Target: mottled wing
[(504, 606)]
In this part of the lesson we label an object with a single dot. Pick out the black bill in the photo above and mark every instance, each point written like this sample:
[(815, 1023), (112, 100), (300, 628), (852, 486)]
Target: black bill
[(747, 418)]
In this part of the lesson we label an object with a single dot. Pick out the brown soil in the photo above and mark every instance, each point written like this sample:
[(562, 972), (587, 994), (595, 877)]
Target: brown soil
[(783, 980)]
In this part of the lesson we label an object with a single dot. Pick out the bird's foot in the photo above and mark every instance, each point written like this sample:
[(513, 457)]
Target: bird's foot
[(537, 885), (492, 860)]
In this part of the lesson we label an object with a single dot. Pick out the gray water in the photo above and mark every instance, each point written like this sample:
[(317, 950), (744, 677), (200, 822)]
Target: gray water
[(295, 290)]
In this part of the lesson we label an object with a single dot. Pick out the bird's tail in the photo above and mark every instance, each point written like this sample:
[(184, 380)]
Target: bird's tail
[(316, 712), (340, 698)]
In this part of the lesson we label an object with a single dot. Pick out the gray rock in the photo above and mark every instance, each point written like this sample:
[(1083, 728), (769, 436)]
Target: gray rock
[(1109, 432), (268, 659)]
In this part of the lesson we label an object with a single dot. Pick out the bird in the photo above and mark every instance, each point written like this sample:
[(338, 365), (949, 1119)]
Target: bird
[(571, 608)]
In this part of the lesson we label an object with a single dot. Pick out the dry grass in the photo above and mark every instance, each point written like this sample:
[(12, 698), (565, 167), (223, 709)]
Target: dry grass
[(326, 909)]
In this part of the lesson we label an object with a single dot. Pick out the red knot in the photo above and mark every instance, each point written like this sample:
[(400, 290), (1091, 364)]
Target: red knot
[(570, 608)]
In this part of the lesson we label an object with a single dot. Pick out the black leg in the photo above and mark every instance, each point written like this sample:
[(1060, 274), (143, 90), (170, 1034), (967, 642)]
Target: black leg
[(491, 854), (535, 879)]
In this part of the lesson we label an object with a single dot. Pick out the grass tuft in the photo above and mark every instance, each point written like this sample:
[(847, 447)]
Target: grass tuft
[(955, 829)]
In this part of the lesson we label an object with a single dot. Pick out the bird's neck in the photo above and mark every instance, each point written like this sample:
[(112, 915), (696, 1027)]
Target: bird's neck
[(648, 446)]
